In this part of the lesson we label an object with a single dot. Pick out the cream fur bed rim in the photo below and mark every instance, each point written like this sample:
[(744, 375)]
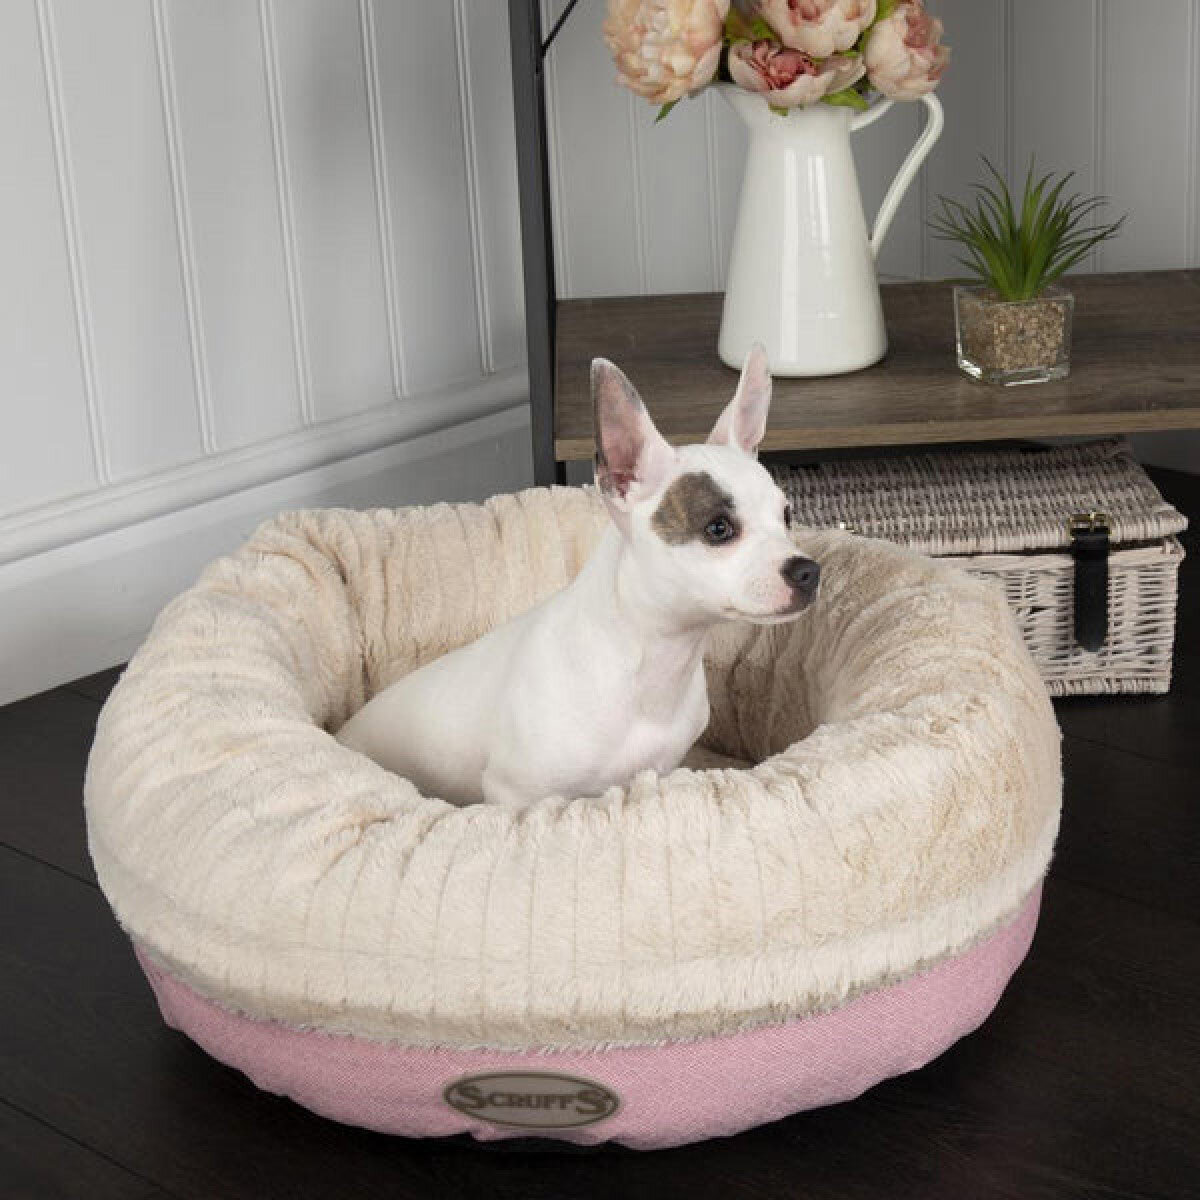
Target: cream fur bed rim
[(904, 803)]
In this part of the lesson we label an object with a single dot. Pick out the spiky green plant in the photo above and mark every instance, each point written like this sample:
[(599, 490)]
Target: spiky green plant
[(1021, 254)]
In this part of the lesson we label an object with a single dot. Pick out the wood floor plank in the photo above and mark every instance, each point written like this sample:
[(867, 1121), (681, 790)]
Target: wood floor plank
[(1159, 728), (1183, 491), (98, 686), (38, 1163), (1181, 488), (44, 744), (1185, 680), (82, 1048), (1131, 827), (1053, 1102), (1081, 1084), (1111, 992)]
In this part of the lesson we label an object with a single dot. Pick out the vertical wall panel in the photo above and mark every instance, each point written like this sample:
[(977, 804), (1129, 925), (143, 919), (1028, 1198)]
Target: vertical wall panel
[(730, 138), (596, 221), (129, 241), (259, 225), (1145, 129), (431, 225), (230, 188), (878, 152), (45, 449), (485, 33), (973, 95), (664, 186), (672, 175), (1193, 141), (1180, 450), (1053, 90), (331, 177)]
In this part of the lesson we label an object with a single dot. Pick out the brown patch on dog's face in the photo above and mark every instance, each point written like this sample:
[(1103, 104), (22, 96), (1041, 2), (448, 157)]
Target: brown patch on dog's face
[(689, 506)]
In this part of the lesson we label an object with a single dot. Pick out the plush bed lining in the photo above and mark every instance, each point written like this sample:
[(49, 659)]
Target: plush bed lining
[(680, 1029), (907, 807)]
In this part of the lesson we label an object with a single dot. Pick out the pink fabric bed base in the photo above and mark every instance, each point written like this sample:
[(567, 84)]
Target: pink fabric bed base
[(668, 1094)]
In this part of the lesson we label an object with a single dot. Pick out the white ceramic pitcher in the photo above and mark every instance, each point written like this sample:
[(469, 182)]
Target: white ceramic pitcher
[(802, 269)]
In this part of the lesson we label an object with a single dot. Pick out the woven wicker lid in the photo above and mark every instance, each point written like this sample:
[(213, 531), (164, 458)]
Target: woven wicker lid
[(983, 501)]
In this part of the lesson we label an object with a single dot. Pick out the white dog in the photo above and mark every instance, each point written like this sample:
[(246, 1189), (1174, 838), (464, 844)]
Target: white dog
[(606, 677)]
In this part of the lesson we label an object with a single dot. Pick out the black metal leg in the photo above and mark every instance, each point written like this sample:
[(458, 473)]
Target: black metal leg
[(560, 474), (525, 27)]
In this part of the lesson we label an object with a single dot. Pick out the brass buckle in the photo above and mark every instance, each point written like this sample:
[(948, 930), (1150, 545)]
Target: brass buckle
[(1088, 522)]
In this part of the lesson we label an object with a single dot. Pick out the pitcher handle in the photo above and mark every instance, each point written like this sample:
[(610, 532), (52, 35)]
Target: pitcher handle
[(935, 119)]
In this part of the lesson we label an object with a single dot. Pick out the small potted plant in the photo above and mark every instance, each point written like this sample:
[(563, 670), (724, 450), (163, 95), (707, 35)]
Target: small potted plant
[(1014, 326)]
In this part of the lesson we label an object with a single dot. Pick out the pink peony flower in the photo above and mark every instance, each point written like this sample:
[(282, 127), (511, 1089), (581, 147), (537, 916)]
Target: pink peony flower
[(818, 27), (789, 78), (903, 53), (665, 49)]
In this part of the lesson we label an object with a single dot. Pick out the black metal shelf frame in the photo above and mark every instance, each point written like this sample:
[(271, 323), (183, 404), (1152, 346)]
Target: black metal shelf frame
[(529, 51)]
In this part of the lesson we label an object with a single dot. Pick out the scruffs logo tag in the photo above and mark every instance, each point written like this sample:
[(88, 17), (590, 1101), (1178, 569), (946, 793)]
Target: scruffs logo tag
[(532, 1100)]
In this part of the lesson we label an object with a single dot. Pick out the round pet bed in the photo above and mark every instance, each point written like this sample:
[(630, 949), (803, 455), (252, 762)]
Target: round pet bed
[(687, 956)]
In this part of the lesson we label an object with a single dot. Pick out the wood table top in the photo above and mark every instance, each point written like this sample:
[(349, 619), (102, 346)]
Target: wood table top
[(1135, 367)]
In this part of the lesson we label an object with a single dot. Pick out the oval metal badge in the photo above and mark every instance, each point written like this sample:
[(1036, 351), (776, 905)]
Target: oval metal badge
[(532, 1099)]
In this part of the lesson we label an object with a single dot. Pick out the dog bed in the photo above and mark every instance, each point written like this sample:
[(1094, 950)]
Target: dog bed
[(683, 957)]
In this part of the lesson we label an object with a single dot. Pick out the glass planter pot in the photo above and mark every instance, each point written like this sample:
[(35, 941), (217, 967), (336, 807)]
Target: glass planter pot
[(1007, 341)]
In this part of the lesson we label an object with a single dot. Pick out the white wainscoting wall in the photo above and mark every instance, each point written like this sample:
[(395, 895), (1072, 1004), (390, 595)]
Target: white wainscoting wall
[(254, 254), (1107, 88), (258, 254)]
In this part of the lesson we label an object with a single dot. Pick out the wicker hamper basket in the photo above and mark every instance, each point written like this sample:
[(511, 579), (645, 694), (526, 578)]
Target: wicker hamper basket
[(1009, 515)]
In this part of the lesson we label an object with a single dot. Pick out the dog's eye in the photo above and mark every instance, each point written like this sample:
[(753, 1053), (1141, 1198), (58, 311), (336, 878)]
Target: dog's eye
[(719, 529), (787, 515)]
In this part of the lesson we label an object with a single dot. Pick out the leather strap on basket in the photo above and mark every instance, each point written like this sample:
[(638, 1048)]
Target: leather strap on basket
[(1089, 546)]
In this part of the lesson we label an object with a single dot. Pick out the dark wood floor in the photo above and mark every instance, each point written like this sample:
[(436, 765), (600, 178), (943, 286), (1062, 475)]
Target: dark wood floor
[(1085, 1081)]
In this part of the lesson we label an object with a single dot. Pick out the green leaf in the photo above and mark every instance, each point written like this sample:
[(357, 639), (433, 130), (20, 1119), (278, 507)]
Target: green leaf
[(779, 110), (1049, 207), (975, 266), (1002, 199), (1069, 253), (666, 108), (739, 29), (1030, 199), (990, 216), (1054, 272), (1019, 249), (848, 98)]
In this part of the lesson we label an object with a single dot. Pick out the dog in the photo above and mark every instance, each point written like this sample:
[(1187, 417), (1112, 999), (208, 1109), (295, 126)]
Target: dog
[(606, 677)]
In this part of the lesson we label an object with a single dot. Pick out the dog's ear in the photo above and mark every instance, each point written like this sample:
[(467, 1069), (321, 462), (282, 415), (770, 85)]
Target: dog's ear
[(744, 421), (632, 457)]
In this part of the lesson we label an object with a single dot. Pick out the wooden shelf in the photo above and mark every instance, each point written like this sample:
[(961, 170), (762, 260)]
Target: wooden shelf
[(1135, 367)]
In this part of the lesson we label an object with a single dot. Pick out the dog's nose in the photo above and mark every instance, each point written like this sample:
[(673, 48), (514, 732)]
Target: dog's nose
[(802, 573)]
